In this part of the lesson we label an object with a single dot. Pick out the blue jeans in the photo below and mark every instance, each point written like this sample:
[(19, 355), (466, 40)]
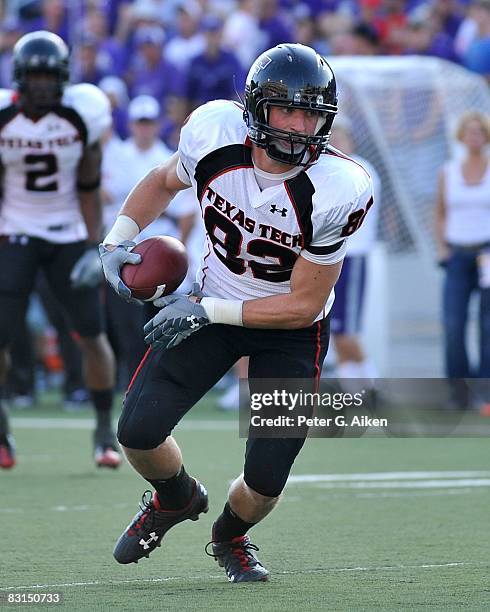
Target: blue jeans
[(461, 282)]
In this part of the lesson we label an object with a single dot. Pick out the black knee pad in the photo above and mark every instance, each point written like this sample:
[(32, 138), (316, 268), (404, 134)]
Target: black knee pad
[(136, 430), (139, 436), (268, 463)]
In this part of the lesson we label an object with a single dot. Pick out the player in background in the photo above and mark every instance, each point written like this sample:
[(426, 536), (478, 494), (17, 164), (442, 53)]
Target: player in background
[(347, 310), (277, 212), (50, 215)]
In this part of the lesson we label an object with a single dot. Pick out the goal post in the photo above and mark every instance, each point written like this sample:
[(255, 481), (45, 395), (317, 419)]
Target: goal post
[(403, 112)]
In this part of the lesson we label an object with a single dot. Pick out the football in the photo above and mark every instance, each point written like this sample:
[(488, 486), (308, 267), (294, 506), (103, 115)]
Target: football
[(163, 262)]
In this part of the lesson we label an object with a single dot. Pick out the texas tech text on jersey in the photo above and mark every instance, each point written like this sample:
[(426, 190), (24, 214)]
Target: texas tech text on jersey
[(254, 235)]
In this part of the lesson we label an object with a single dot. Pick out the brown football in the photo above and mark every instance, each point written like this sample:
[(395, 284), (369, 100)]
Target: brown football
[(163, 262)]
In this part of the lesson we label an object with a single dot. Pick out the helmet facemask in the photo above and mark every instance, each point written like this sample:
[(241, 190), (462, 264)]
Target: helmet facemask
[(297, 77), (292, 148)]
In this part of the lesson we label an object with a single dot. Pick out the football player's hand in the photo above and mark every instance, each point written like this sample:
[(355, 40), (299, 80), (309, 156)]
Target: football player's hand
[(87, 271), (112, 261), (196, 294), (178, 318)]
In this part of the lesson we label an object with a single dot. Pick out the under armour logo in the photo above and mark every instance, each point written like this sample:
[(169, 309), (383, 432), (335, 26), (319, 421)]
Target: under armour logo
[(283, 211), (146, 543), (193, 321)]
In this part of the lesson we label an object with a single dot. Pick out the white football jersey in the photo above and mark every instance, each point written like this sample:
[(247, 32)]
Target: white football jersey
[(363, 240), (254, 236), (40, 163)]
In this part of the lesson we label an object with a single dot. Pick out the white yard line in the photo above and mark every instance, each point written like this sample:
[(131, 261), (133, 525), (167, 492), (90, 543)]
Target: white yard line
[(349, 494), (450, 480), (89, 423), (330, 570), (408, 484), (367, 476)]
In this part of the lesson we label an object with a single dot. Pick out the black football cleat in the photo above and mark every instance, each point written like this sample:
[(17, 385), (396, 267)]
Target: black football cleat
[(238, 559), (7, 451), (146, 531)]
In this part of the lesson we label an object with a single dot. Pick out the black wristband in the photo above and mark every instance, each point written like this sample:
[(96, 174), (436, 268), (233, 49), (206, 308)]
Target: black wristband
[(89, 186)]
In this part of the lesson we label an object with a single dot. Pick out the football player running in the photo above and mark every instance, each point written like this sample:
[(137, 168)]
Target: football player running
[(50, 215), (277, 206)]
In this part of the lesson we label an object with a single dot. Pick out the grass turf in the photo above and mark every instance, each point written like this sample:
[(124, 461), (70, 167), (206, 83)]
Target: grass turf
[(332, 548)]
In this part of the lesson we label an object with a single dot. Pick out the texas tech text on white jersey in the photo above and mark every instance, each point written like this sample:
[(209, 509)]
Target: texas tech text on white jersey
[(254, 236), (40, 163)]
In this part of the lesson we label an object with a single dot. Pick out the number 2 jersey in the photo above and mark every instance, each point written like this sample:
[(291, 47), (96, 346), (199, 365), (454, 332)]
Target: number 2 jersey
[(254, 235), (40, 163)]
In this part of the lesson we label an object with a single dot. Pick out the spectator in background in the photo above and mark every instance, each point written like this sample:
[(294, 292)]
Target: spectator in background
[(10, 32), (145, 151), (463, 243), (424, 35), (215, 73), (53, 17), (117, 92), (114, 12), (115, 182), (390, 22), (188, 41), (365, 40), (150, 73), (111, 54), (244, 19), (306, 31), (337, 31), (275, 24), (133, 16), (477, 55), (449, 13), (172, 121), (87, 65), (368, 11)]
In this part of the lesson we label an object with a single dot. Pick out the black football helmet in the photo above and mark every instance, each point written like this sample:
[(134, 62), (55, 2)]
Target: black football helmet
[(41, 52), (295, 76)]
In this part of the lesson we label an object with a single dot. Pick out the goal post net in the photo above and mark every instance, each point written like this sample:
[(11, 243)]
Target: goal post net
[(402, 113)]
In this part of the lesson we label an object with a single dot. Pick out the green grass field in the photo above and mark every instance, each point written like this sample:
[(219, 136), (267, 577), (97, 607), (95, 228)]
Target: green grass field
[(376, 537)]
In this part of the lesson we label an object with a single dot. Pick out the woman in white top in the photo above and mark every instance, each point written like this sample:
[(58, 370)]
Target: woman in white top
[(463, 242)]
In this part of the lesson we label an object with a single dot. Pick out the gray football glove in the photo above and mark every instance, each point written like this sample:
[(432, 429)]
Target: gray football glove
[(112, 261), (178, 318), (87, 271)]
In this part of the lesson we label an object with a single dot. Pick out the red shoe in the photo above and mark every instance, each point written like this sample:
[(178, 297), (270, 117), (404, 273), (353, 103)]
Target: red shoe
[(7, 452), (485, 409), (106, 454), (107, 457)]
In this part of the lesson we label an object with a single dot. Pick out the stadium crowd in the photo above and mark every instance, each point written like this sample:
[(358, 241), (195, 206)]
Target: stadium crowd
[(186, 52)]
